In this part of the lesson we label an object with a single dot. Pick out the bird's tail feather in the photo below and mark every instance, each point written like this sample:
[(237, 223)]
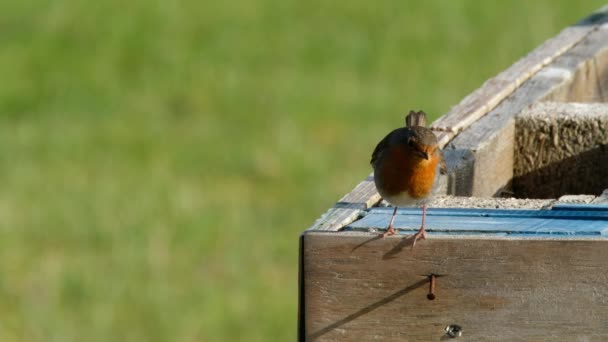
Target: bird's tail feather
[(415, 119)]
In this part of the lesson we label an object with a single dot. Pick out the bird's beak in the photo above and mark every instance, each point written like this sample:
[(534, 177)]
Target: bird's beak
[(424, 154)]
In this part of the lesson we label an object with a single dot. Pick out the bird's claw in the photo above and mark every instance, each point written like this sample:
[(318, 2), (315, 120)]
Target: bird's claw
[(390, 231), (421, 234)]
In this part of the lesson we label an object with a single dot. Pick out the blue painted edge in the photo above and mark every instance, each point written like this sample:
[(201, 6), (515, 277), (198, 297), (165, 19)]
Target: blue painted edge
[(577, 213), (593, 223), (477, 233), (581, 207)]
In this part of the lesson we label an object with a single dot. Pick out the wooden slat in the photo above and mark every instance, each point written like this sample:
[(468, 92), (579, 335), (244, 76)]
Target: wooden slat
[(363, 196), (492, 136), (443, 138), (358, 287), (474, 106), (530, 223), (588, 63), (583, 207), (495, 90)]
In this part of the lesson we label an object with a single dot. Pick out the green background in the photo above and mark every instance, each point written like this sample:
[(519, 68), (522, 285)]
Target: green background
[(159, 159)]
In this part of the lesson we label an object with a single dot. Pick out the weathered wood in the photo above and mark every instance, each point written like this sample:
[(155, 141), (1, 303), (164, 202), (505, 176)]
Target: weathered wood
[(493, 149), (475, 105), (501, 276), (589, 63), (492, 141), (525, 222), (345, 211), (443, 137), (360, 288), (492, 137), (495, 90)]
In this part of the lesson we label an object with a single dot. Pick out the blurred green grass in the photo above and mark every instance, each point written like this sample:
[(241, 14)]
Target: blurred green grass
[(158, 160)]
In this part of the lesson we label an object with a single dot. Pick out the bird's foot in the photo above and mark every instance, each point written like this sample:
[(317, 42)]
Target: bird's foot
[(421, 234), (389, 231)]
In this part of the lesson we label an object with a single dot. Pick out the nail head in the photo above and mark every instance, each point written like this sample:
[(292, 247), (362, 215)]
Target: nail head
[(453, 330)]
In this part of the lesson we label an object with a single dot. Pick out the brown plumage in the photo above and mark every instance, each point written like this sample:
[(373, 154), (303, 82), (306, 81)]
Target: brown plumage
[(405, 166)]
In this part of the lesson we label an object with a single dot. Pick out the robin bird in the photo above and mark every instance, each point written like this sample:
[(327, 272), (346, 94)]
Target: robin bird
[(405, 166)]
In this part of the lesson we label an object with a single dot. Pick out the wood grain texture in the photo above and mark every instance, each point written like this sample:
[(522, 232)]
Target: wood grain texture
[(475, 105), (492, 137), (345, 211), (588, 62), (357, 287), (495, 90), (499, 99), (526, 223), (443, 137)]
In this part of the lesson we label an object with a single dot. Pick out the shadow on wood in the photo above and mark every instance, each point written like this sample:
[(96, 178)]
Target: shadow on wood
[(585, 173), (368, 309), (404, 242)]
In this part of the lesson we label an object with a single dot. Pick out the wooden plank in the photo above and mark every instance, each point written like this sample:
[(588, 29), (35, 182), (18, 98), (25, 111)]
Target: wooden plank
[(348, 209), (581, 207), (443, 137), (475, 105), (460, 178), (589, 63), (492, 136), (495, 90), (358, 287), (530, 223), (566, 211)]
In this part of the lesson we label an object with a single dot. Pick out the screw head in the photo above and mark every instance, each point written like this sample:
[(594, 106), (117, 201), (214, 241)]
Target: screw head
[(453, 330)]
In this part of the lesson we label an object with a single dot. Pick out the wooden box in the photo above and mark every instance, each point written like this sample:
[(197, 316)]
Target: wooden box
[(514, 252)]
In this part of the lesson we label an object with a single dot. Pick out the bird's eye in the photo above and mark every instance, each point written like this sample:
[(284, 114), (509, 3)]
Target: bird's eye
[(411, 143)]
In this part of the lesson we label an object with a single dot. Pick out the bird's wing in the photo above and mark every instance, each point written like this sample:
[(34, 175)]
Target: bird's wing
[(398, 134), (380, 148)]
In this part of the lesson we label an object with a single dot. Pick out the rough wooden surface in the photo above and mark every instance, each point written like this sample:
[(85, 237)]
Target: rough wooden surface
[(495, 90), (361, 288), (492, 138), (515, 85), (345, 211), (561, 148), (589, 63), (574, 221)]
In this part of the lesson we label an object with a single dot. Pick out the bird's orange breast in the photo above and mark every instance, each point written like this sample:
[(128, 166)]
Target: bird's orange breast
[(402, 172)]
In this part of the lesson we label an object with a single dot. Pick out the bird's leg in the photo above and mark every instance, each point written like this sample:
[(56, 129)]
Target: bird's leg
[(421, 232), (390, 230)]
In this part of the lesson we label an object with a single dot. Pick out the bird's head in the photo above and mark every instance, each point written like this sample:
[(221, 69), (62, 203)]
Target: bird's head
[(422, 144)]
